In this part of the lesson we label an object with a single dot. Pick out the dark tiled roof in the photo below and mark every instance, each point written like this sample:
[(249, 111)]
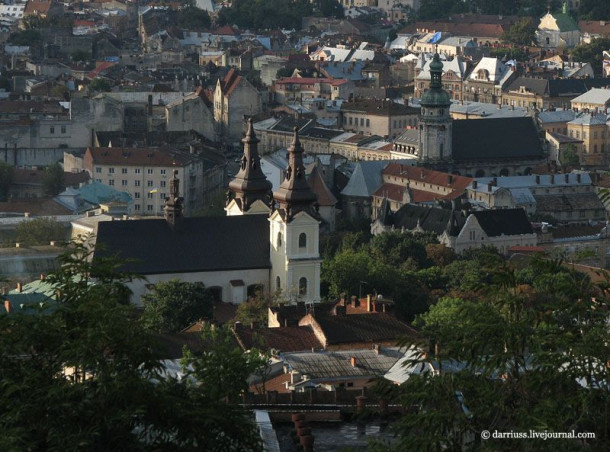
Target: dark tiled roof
[(197, 244), (495, 139), (576, 231), (285, 339), (504, 221), (293, 313), (430, 219), (139, 157), (567, 203), (379, 107), (370, 327)]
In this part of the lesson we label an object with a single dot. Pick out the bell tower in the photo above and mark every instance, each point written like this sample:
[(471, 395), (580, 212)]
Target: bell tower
[(435, 124), (249, 191), (295, 233)]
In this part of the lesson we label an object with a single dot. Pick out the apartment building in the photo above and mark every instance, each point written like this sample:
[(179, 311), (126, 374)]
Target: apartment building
[(145, 174)]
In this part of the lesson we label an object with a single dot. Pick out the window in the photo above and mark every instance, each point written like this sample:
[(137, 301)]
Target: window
[(123, 170), (124, 183), (51, 129), (162, 172), (98, 169), (361, 122), (278, 283), (279, 239), (149, 183), (368, 122), (137, 171), (110, 170), (136, 183), (136, 195), (162, 184), (111, 182), (303, 286), (136, 206), (473, 235), (149, 171), (150, 195), (63, 129), (149, 207), (302, 240)]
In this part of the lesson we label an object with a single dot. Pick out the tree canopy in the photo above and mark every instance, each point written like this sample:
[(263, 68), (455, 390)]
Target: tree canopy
[(265, 14), (40, 231), (53, 180), (6, 179), (174, 305), (83, 373), (592, 53), (522, 33)]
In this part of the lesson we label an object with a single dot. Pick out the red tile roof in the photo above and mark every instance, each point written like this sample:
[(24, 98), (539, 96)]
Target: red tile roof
[(284, 339), (452, 181), (594, 27), (319, 187), (138, 157)]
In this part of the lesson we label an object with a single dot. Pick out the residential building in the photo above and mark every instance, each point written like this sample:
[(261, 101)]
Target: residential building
[(592, 129), (542, 93), (377, 117), (235, 98), (594, 100), (192, 112), (145, 174), (488, 80), (558, 144), (585, 244), (454, 74), (298, 88)]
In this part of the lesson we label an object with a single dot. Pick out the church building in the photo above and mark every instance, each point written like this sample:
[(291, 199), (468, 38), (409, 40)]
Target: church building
[(469, 147), (267, 242)]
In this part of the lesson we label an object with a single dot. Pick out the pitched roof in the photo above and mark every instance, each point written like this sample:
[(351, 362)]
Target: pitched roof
[(594, 96), (496, 222), (319, 187), (370, 327), (565, 22), (365, 179), (285, 339), (139, 157), (495, 139), (198, 244), (429, 219), (420, 174)]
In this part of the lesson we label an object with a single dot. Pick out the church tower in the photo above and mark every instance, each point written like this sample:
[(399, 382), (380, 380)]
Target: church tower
[(294, 233), (435, 124), (249, 191)]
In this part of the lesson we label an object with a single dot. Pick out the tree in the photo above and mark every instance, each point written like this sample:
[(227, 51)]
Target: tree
[(28, 37), (80, 55), (521, 33), (331, 8), (6, 179), (193, 18), (592, 53), (174, 305), (569, 157), (595, 10), (84, 374), (40, 231), (53, 180), (530, 354), (392, 35), (99, 85), (284, 72)]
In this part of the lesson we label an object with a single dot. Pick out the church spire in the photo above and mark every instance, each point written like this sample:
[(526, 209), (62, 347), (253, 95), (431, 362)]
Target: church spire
[(295, 194), (173, 203), (250, 184)]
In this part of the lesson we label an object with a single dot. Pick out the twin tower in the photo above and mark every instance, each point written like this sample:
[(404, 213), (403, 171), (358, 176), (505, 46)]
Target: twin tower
[(294, 224)]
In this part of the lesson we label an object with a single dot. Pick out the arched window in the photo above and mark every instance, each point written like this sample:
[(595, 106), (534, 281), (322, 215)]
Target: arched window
[(303, 286), (279, 239), (302, 240), (278, 283)]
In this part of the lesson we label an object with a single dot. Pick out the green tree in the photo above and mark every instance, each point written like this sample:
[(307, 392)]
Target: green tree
[(594, 10), (521, 33), (173, 305), (330, 8), (40, 231), (193, 18), (6, 179), (569, 157), (80, 55), (284, 72), (84, 375), (28, 37), (54, 179), (524, 356), (99, 85), (592, 53)]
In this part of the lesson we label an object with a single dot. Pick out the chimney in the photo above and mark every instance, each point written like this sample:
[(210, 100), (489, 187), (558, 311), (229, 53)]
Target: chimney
[(474, 184), (489, 185), (7, 306), (353, 361), (42, 276), (537, 179), (376, 348), (450, 179), (369, 307), (19, 287)]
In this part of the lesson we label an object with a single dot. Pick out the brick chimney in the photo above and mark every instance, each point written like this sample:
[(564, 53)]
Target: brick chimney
[(369, 304), (353, 361), (7, 306), (19, 287)]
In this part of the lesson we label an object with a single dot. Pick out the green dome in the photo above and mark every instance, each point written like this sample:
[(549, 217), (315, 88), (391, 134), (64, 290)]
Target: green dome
[(435, 97)]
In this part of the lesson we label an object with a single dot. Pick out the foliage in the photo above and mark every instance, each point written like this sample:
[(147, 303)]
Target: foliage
[(40, 231), (435, 9), (254, 311), (27, 37), (99, 85), (85, 375), (595, 10), (265, 14), (592, 53), (521, 33), (511, 53), (283, 72), (6, 179), (569, 157), (53, 180), (529, 354), (331, 8), (80, 55), (193, 18), (173, 305)]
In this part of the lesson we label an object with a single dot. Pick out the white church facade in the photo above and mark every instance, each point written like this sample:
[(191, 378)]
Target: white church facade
[(267, 242)]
